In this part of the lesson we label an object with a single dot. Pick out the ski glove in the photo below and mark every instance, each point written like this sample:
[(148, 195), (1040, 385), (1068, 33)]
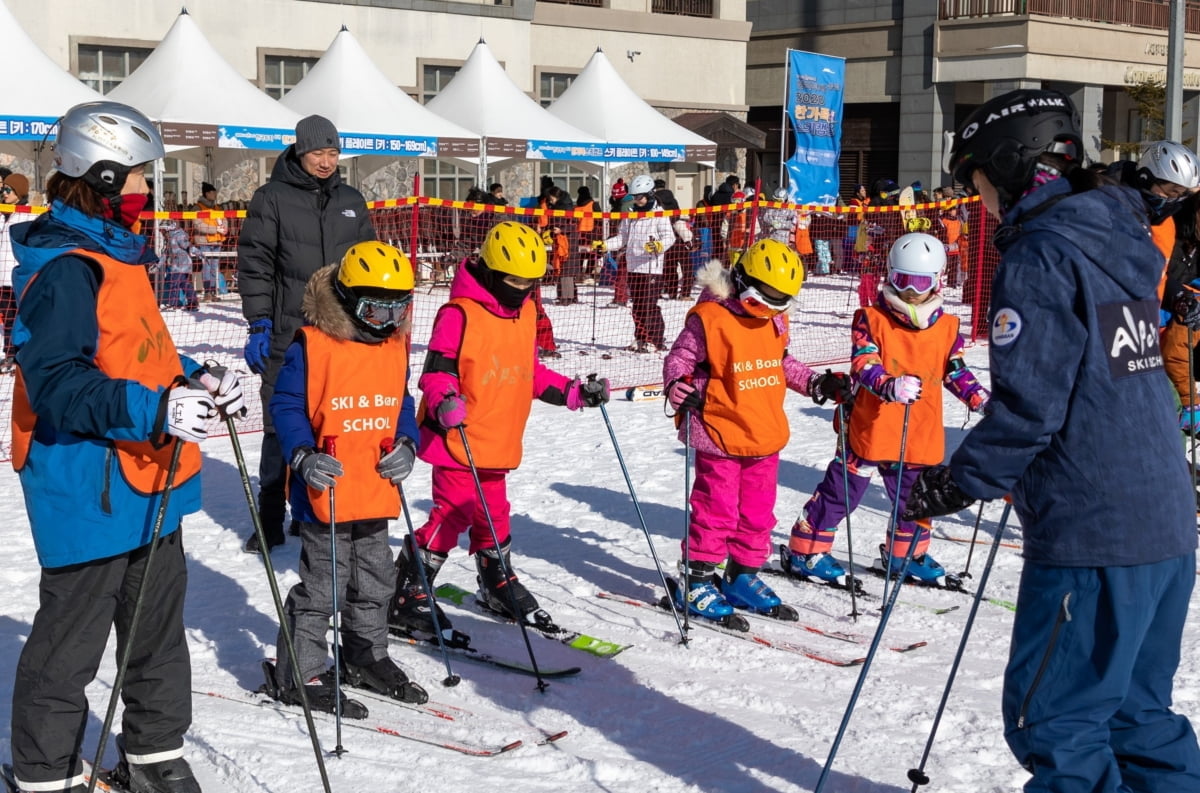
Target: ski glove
[(188, 411), (934, 493), (225, 387), (258, 346), (317, 469), (1189, 421), (683, 396), (588, 393), (598, 246), (451, 411), (1187, 310), (832, 385), (905, 389), (397, 464), (653, 246)]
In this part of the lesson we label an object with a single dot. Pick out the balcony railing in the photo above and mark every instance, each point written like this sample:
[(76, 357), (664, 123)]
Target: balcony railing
[(592, 3), (687, 8), (1151, 14)]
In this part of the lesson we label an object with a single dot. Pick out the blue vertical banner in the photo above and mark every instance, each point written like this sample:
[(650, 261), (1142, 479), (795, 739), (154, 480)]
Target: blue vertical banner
[(815, 87)]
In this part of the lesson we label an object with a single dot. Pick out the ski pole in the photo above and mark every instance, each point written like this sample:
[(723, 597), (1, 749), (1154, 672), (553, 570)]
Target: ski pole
[(845, 450), (917, 775), (687, 511), (328, 446), (971, 549), (452, 679), (683, 637), (284, 626), (1192, 404), (889, 605), (542, 685), (131, 632), (894, 528)]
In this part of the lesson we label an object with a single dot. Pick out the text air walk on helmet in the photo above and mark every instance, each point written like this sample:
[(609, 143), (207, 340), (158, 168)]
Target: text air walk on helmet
[(767, 263), (1166, 161), (511, 249), (916, 262), (375, 282), (1005, 136)]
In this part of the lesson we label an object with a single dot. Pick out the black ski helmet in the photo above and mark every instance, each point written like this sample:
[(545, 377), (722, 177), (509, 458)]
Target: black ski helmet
[(1007, 134)]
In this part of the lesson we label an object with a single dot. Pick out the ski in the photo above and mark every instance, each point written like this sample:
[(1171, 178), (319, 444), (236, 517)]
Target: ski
[(395, 731), (1016, 546), (429, 645), (946, 583), (841, 636), (578, 641), (747, 635)]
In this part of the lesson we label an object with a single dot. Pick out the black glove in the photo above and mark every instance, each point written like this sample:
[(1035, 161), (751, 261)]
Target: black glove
[(1187, 310), (832, 385), (934, 493), (593, 391)]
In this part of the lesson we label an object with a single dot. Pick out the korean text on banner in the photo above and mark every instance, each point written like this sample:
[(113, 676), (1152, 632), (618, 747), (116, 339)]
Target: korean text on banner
[(815, 86)]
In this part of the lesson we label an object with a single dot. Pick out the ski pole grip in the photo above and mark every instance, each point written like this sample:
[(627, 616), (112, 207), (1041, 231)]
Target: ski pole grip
[(329, 445), (386, 445)]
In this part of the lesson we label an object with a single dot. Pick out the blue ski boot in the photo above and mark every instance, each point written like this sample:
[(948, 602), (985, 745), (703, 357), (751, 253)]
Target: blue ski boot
[(701, 594), (923, 569), (743, 589), (821, 566)]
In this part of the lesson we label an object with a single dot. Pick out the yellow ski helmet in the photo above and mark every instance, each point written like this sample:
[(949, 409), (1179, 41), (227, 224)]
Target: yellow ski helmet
[(514, 249), (772, 263), (375, 282)]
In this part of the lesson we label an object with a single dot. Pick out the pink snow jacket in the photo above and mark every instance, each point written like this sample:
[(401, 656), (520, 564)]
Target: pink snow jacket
[(446, 338), (690, 350)]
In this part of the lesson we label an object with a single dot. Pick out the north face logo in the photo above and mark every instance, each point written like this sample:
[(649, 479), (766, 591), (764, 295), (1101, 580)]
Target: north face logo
[(349, 213)]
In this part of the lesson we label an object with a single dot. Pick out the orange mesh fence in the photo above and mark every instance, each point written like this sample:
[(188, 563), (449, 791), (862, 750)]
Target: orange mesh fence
[(587, 325)]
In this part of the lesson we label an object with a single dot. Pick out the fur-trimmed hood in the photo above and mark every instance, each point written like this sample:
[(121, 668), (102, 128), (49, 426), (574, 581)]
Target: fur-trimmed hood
[(324, 310)]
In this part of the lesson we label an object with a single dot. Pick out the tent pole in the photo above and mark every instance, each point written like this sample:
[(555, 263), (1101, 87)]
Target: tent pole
[(783, 108), (481, 172)]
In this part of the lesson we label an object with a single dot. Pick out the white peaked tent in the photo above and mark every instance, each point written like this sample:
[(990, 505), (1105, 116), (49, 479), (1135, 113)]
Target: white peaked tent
[(482, 98), (599, 102), (206, 110), (33, 100), (372, 115)]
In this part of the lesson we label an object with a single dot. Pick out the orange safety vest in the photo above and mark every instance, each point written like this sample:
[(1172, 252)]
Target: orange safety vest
[(743, 405), (354, 392), (1163, 236), (587, 221), (495, 377), (737, 229), (875, 425), (134, 344)]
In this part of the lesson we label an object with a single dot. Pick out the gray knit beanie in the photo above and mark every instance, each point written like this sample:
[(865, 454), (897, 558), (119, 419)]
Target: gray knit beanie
[(316, 132)]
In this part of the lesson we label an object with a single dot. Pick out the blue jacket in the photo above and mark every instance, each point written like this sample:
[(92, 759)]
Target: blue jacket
[(1081, 427), (80, 507)]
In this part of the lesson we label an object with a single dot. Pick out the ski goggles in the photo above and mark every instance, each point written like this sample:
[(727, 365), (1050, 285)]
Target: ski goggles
[(382, 314), (759, 305), (921, 284)]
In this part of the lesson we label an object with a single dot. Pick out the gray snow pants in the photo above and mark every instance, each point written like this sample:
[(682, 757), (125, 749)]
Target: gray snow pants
[(366, 580), (78, 607)]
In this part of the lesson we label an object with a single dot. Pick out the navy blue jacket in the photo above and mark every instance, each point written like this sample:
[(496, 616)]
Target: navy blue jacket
[(1081, 427)]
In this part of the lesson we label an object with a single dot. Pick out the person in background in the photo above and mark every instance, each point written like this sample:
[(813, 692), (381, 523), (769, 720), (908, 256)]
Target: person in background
[(677, 277), (14, 189), (178, 291), (497, 191), (617, 194), (586, 228), (1100, 615), (104, 423), (207, 235), (301, 220)]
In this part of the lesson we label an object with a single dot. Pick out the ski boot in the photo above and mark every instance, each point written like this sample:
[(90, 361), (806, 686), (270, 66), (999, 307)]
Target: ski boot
[(743, 589), (700, 595), (923, 570), (496, 592), (384, 677), (410, 610), (320, 692), (172, 775)]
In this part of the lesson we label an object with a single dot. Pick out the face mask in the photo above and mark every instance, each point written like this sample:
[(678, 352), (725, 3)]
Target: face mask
[(129, 207), (510, 296)]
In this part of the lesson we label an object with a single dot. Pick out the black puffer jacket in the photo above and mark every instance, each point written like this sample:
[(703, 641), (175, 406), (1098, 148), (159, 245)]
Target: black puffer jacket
[(295, 226)]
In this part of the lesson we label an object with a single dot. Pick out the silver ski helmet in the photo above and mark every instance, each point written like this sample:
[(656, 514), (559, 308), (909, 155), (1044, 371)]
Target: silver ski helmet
[(1005, 136), (1165, 161), (103, 142)]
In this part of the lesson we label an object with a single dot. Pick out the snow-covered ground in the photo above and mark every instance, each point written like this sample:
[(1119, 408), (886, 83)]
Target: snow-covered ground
[(718, 716)]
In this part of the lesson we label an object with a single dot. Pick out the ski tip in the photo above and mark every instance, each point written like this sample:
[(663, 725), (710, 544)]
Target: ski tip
[(551, 737), (511, 746)]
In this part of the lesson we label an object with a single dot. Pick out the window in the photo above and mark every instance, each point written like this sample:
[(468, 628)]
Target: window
[(442, 179), (434, 79), (103, 67), (550, 87), (281, 73)]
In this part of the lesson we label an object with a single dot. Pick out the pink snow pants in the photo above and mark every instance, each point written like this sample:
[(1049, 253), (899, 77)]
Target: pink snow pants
[(456, 508), (733, 509)]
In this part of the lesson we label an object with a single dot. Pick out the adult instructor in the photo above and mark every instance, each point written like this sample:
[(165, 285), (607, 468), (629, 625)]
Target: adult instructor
[(1081, 430), (300, 221)]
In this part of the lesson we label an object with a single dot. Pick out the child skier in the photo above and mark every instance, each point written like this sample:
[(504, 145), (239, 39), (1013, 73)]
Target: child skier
[(727, 374), (481, 374), (345, 377), (901, 342)]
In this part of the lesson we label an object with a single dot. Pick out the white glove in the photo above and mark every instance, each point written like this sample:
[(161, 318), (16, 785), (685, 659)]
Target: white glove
[(225, 387), (189, 410), (904, 389), (682, 231)]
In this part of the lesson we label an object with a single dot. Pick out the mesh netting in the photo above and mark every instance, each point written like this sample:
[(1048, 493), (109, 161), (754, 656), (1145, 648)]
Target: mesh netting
[(585, 296)]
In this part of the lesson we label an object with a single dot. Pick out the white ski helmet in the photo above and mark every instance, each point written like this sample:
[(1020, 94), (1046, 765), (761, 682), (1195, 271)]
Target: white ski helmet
[(781, 194), (642, 184), (916, 262), (1167, 161), (105, 132)]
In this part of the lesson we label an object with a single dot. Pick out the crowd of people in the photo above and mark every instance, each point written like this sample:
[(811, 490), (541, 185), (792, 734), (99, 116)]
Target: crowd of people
[(1080, 288)]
